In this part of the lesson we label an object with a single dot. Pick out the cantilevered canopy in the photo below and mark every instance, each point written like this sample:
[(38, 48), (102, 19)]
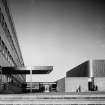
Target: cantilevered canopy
[(26, 70)]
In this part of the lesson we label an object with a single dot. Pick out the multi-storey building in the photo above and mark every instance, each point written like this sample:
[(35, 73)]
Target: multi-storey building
[(10, 54)]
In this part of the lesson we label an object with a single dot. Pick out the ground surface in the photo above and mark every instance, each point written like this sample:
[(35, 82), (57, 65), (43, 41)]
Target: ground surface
[(54, 98)]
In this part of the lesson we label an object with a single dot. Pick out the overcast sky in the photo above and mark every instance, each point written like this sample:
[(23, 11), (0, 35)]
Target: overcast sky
[(61, 33)]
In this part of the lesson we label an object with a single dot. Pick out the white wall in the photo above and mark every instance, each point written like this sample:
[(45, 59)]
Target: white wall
[(72, 84), (100, 82)]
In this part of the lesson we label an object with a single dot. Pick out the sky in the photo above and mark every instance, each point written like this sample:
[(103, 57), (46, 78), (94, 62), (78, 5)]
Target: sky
[(59, 33)]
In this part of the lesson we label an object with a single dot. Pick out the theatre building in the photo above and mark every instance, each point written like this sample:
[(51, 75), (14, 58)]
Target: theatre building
[(10, 54), (88, 76)]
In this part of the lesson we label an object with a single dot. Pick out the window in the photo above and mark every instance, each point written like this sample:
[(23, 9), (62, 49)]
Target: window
[(2, 21), (0, 15)]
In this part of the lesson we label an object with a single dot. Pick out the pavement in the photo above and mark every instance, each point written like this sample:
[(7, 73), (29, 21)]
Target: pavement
[(54, 98)]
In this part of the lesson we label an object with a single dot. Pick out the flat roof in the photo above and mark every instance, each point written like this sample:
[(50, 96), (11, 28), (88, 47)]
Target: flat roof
[(26, 70)]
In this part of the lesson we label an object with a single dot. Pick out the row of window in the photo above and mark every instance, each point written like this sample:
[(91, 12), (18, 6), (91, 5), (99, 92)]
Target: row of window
[(5, 52), (7, 55), (11, 23), (8, 13), (7, 33), (5, 28)]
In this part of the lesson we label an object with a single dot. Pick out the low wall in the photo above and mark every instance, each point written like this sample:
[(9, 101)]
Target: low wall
[(72, 84)]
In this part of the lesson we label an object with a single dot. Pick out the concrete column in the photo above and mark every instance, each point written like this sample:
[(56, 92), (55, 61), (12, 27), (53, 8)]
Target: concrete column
[(30, 81), (0, 78)]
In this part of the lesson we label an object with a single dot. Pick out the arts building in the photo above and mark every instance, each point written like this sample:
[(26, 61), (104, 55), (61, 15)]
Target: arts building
[(88, 76)]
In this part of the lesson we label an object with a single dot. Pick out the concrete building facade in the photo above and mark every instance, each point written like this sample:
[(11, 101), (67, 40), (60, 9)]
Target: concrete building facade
[(10, 54), (88, 76), (76, 84)]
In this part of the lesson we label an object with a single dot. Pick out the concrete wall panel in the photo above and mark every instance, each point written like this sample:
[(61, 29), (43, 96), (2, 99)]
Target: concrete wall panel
[(61, 85), (73, 83), (100, 82), (98, 68)]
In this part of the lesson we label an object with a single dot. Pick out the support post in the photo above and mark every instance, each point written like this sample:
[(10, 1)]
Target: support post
[(30, 80), (1, 74)]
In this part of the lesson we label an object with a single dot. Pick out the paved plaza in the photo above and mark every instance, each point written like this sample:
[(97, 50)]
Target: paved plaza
[(54, 98)]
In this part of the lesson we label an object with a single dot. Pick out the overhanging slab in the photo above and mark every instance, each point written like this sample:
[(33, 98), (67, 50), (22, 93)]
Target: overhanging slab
[(26, 70)]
